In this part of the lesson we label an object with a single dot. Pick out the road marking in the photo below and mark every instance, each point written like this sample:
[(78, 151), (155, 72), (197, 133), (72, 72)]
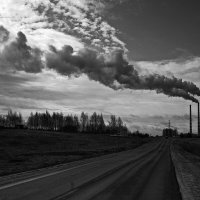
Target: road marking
[(47, 175)]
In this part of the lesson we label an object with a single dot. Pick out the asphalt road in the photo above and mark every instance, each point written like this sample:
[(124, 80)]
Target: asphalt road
[(143, 173)]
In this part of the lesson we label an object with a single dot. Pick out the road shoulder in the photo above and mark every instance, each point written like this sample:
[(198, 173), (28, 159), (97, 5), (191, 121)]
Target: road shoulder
[(187, 167)]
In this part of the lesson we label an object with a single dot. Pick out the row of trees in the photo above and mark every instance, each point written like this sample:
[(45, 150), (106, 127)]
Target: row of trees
[(69, 123), (12, 119), (72, 123)]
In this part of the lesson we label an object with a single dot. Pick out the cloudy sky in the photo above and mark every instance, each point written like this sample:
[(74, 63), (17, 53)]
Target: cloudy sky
[(123, 57)]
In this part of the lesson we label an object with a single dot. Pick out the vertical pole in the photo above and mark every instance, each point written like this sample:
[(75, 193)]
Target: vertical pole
[(198, 121), (190, 119)]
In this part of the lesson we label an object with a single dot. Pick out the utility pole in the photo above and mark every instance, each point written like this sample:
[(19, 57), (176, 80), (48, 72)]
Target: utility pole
[(169, 124)]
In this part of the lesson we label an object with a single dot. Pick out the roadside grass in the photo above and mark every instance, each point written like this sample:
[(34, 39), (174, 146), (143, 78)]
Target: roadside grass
[(191, 145), (23, 150)]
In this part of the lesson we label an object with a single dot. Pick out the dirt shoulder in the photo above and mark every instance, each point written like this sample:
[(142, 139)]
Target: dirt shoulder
[(187, 166)]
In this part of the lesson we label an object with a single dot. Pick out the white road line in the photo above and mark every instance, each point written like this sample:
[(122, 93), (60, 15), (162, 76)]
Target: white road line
[(47, 175)]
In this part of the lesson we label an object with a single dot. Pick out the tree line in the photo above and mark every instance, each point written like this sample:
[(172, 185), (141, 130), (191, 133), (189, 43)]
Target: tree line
[(72, 123), (11, 120), (94, 123)]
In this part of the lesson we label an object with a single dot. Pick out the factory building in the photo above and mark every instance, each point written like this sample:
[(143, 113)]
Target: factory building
[(170, 131)]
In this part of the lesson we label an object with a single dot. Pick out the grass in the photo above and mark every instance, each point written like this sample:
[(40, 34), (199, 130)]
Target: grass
[(191, 145), (23, 150)]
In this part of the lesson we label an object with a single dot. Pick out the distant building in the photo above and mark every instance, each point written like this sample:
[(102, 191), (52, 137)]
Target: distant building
[(170, 132)]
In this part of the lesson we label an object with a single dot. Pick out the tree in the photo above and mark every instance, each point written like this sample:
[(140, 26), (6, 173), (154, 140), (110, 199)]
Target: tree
[(120, 124), (93, 123), (71, 123), (76, 123), (113, 124), (100, 124), (60, 120), (13, 119), (83, 122), (30, 122), (37, 121), (2, 121)]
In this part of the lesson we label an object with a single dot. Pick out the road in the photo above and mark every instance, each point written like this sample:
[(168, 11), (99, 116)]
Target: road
[(143, 173)]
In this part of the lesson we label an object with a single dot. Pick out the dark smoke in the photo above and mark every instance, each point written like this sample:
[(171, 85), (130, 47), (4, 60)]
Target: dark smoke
[(175, 92), (107, 69), (19, 56), (4, 34), (161, 82), (114, 71)]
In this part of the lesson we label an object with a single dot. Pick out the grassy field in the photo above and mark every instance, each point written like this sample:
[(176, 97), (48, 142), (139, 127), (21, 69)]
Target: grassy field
[(23, 150), (192, 145)]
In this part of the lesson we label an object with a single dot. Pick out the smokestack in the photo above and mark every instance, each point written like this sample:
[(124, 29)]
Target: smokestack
[(198, 121), (190, 119)]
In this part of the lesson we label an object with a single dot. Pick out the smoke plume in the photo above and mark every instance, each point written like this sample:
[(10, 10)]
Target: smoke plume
[(19, 56), (4, 34), (114, 71)]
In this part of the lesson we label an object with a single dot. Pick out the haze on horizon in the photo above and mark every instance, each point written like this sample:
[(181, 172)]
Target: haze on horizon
[(93, 55)]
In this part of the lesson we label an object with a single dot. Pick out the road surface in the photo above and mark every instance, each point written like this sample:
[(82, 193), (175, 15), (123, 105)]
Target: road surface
[(143, 173)]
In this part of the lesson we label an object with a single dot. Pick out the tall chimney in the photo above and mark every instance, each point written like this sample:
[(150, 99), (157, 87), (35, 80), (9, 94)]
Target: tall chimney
[(191, 119), (198, 121)]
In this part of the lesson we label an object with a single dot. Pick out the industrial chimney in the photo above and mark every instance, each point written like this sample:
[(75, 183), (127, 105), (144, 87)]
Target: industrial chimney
[(198, 121), (190, 119)]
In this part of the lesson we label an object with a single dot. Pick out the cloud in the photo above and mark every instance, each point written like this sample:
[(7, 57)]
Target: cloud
[(4, 34), (156, 123), (191, 70), (181, 68), (21, 16), (114, 71), (81, 25), (82, 19), (45, 37), (19, 56), (28, 92)]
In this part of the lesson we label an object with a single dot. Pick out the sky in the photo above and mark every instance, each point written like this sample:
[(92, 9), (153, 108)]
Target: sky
[(137, 59)]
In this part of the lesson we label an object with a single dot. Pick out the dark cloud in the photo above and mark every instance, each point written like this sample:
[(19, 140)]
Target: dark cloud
[(114, 71), (172, 86), (106, 69), (4, 34), (191, 70), (19, 56), (176, 92)]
